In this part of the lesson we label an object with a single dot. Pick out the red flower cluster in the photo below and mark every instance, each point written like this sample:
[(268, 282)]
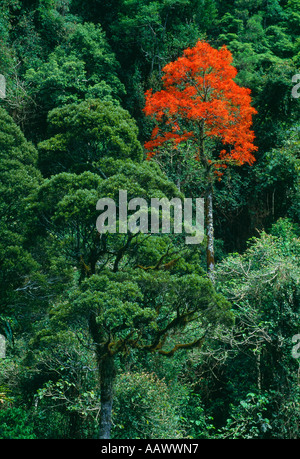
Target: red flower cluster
[(201, 101)]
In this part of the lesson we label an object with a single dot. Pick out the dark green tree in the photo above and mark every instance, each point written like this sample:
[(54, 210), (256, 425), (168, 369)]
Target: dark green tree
[(19, 178), (82, 134)]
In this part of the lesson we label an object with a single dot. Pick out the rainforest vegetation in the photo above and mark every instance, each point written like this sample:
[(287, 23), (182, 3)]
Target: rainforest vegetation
[(135, 335)]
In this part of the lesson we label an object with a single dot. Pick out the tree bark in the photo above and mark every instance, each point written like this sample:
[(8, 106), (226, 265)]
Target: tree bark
[(209, 219), (107, 376), (210, 251)]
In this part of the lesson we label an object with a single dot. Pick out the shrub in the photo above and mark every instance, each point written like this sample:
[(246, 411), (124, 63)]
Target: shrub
[(144, 408)]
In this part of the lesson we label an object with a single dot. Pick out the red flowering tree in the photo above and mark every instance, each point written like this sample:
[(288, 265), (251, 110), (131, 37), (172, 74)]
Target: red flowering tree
[(200, 103)]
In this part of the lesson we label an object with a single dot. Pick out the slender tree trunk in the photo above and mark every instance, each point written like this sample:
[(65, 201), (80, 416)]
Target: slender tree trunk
[(258, 364), (209, 218), (210, 251), (107, 376)]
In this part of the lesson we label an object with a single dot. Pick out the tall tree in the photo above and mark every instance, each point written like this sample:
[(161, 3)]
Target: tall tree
[(201, 104), (123, 313)]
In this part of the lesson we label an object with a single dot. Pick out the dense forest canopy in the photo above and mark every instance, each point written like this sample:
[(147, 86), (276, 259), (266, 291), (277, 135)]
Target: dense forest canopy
[(129, 335)]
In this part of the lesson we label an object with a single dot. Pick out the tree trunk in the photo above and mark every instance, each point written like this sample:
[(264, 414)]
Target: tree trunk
[(107, 376), (209, 219), (210, 251)]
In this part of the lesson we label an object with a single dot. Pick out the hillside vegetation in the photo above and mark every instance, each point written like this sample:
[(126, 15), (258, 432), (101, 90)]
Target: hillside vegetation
[(142, 336)]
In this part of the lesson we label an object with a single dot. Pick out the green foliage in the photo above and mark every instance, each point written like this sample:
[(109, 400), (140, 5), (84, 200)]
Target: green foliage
[(144, 408), (81, 67), (64, 209), (130, 315), (84, 65), (16, 424), (266, 277), (84, 133), (19, 177), (67, 401), (278, 173), (71, 130), (263, 286), (248, 420)]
